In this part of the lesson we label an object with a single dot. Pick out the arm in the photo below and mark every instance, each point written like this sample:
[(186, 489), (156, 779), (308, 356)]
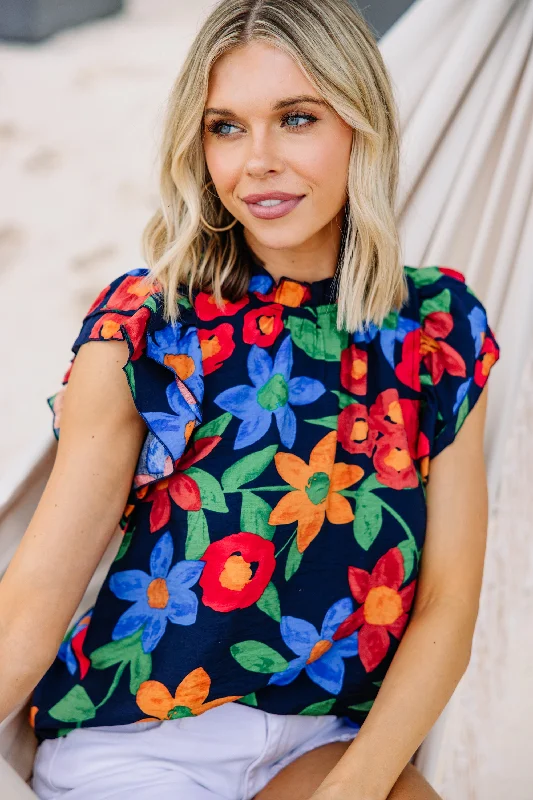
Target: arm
[(435, 649), (78, 513)]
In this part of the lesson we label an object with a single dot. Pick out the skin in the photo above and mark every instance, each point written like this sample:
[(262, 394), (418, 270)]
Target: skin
[(258, 149)]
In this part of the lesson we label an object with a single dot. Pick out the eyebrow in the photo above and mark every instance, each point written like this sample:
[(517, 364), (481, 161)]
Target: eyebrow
[(287, 101)]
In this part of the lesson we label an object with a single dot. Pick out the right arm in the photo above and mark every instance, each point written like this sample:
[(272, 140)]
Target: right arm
[(77, 515)]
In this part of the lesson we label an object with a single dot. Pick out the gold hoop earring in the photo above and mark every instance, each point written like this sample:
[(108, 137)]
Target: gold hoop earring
[(210, 227)]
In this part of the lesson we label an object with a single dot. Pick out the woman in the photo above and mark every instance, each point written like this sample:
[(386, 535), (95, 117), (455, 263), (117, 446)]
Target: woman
[(293, 601)]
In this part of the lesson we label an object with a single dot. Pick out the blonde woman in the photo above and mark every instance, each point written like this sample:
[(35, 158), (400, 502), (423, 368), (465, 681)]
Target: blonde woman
[(260, 408)]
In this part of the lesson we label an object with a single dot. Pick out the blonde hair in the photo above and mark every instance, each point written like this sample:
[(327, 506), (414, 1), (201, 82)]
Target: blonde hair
[(337, 52)]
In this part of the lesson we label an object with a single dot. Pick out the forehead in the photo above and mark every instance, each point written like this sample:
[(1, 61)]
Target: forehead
[(255, 75)]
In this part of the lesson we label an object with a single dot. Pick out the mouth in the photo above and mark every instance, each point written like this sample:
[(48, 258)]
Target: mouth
[(271, 205)]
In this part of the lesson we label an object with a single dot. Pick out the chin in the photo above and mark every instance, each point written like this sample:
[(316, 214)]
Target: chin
[(281, 239)]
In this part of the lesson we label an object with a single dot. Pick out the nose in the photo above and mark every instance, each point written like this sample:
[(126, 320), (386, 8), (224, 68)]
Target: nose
[(262, 157)]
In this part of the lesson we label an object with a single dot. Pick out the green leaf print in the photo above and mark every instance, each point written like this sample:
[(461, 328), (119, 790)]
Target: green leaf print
[(441, 302), (197, 540), (247, 468), (211, 493), (249, 700), (363, 706), (75, 706), (150, 303), (326, 422), (462, 413), (368, 518), (185, 302), (321, 339), (269, 602), (254, 515), (122, 651), (423, 276), (344, 399), (258, 657), (215, 427), (294, 559), (128, 369), (408, 551), (140, 670), (315, 709), (124, 545)]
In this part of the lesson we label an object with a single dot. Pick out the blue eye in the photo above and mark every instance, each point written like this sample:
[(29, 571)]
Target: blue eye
[(216, 128), (294, 117), (290, 118)]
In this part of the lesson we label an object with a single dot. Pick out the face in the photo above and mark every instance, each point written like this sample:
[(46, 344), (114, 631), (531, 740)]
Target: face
[(278, 154)]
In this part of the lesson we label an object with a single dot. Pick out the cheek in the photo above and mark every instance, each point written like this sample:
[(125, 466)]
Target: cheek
[(324, 164), (224, 167)]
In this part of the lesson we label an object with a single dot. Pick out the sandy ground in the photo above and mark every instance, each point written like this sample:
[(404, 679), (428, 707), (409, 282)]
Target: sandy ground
[(80, 117)]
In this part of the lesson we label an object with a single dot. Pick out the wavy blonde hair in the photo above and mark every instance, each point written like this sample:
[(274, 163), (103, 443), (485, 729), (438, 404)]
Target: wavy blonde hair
[(336, 50)]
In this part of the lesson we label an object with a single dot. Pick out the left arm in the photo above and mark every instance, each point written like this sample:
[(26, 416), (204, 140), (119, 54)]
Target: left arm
[(434, 651)]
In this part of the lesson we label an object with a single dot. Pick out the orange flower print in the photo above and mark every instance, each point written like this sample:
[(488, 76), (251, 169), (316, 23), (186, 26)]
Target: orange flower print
[(31, 716), (154, 698), (317, 486), (383, 610)]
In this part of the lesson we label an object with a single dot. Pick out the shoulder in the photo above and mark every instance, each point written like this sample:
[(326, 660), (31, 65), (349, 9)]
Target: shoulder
[(164, 367), (449, 324), (448, 349)]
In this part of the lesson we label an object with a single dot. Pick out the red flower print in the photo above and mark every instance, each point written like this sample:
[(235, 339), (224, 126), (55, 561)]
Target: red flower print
[(383, 608), (428, 344), (356, 434), (488, 355), (228, 580), (263, 325), (354, 367), (394, 463), (288, 293), (180, 487), (108, 326), (217, 345), (207, 309), (397, 420), (453, 273), (130, 294)]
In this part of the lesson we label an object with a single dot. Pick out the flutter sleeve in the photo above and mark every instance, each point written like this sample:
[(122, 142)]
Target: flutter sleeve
[(455, 350), (164, 369)]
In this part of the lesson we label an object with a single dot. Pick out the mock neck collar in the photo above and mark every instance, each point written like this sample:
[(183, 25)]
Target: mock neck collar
[(291, 291)]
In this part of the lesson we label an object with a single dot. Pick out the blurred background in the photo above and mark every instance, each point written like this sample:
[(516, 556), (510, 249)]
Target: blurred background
[(83, 87)]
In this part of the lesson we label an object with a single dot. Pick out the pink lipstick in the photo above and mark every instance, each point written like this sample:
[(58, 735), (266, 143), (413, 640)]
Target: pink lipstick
[(271, 205)]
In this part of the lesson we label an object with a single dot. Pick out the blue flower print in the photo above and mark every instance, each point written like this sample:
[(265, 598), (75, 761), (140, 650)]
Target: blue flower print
[(182, 355), (478, 326), (273, 392), (161, 596), (387, 336), (260, 283), (318, 654), (70, 650)]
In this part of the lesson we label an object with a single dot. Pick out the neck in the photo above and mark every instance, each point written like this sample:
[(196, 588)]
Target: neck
[(313, 260)]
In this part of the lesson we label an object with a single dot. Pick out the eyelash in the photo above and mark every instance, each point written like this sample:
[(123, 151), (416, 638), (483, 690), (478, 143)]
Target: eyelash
[(214, 127)]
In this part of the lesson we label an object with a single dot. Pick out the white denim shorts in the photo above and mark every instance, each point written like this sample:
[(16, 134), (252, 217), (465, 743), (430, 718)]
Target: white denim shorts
[(230, 752)]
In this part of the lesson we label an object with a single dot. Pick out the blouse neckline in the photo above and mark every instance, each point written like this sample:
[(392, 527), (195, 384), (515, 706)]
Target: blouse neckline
[(291, 291)]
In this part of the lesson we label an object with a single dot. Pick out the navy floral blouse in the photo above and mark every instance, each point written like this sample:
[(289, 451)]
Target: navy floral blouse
[(274, 529)]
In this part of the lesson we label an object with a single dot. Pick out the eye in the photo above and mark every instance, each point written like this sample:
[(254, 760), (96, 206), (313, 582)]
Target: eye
[(293, 119), (219, 128)]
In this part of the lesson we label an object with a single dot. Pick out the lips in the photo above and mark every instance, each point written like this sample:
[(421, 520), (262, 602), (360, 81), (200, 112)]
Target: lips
[(284, 203)]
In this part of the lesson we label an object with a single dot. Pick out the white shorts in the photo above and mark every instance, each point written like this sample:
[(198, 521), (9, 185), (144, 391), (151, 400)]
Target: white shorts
[(230, 752)]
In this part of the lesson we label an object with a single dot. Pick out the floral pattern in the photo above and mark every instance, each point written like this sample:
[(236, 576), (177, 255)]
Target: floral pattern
[(273, 533)]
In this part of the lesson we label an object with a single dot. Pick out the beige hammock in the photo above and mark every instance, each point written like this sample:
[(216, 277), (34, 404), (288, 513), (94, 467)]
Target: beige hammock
[(463, 75)]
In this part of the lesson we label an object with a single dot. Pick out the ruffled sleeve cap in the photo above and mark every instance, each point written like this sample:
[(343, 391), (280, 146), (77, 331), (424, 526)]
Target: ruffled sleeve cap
[(164, 368), (448, 356)]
